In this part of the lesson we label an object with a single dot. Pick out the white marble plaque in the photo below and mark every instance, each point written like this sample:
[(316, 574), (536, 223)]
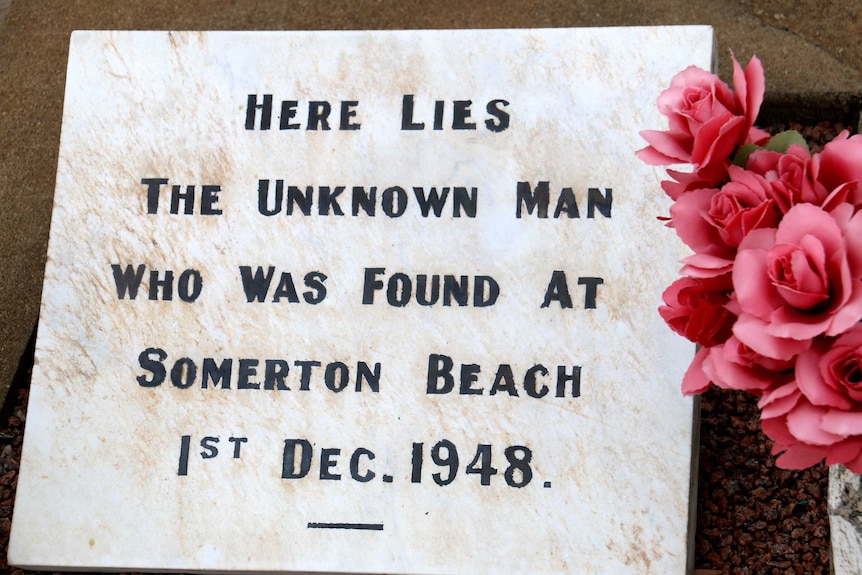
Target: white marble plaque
[(360, 302)]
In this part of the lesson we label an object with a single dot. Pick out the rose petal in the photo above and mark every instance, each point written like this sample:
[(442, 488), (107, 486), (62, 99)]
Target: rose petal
[(847, 450), (800, 457), (810, 381), (840, 161), (692, 228), (776, 430), (750, 87), (849, 315), (806, 264), (852, 230), (695, 381), (804, 422), (731, 375), (758, 136), (753, 287), (706, 266), (664, 148), (752, 331), (740, 82), (854, 465), (802, 219), (844, 423), (717, 138), (778, 401), (786, 322)]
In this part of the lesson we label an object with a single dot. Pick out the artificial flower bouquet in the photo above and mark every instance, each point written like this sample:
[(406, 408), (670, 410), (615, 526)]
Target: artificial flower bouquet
[(772, 294)]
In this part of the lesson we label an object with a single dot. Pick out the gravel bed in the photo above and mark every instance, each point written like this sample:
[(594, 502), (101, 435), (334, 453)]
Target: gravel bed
[(752, 517)]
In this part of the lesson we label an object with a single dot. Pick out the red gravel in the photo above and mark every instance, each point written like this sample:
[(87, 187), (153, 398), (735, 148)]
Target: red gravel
[(11, 436), (752, 518)]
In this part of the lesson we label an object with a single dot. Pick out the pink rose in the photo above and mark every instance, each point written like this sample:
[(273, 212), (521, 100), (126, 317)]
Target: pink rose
[(695, 309), (798, 177), (695, 381), (714, 222), (841, 164), (741, 206), (830, 373), (733, 365), (691, 219), (792, 176), (821, 409), (707, 122), (783, 409), (710, 177), (799, 281)]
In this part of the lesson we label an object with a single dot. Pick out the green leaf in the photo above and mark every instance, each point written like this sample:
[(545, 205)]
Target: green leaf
[(781, 142), (741, 157)]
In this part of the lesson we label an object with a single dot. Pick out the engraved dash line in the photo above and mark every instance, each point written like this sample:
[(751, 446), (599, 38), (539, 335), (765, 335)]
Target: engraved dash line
[(355, 526)]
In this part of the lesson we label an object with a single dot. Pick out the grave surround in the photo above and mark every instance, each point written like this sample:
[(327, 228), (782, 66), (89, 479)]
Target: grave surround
[(130, 463)]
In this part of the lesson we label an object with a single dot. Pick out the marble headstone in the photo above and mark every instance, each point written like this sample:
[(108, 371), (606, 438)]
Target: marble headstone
[(360, 302)]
